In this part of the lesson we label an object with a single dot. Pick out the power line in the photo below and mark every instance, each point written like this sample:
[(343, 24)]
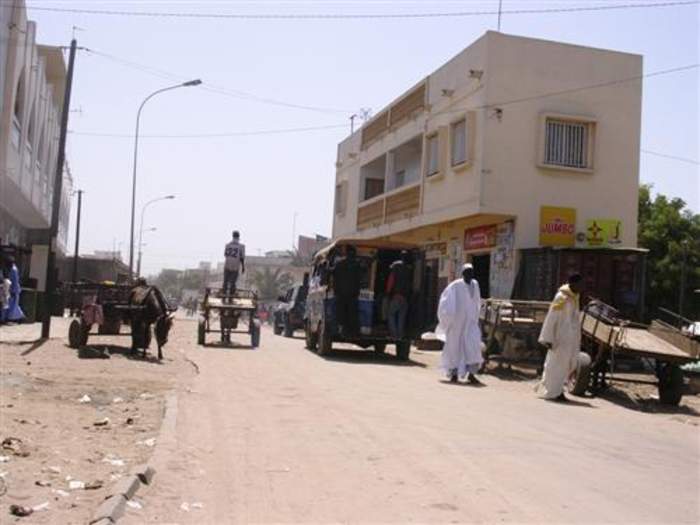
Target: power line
[(215, 89), (673, 157), (354, 16), (212, 135)]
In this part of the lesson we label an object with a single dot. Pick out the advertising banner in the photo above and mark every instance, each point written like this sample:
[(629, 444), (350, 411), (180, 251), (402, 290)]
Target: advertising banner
[(603, 232), (557, 226), (480, 238)]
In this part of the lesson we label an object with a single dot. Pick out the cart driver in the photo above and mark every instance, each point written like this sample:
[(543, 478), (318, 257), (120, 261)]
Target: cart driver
[(235, 263)]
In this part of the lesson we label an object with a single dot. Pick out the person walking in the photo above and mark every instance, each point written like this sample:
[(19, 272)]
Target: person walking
[(561, 335), (458, 328), (398, 291), (13, 311)]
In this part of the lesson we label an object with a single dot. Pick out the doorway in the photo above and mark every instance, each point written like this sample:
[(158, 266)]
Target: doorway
[(482, 269)]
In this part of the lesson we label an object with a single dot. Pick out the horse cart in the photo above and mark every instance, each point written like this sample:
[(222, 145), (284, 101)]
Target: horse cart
[(608, 337), (109, 306), (510, 330), (228, 310), (103, 304)]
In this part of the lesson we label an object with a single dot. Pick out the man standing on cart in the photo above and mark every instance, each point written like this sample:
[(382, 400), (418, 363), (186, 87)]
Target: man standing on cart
[(234, 264)]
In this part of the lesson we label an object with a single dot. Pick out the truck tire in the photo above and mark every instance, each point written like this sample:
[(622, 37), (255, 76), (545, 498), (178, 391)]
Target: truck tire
[(311, 338), (403, 350), (288, 330), (201, 333), (276, 328), (325, 341), (77, 334), (670, 385), (579, 384)]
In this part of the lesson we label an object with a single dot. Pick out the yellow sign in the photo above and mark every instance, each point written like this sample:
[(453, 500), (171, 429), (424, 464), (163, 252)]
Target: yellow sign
[(603, 232), (557, 226)]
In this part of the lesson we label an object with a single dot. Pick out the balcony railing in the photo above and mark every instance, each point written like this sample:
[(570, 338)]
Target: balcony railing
[(411, 104), (391, 207)]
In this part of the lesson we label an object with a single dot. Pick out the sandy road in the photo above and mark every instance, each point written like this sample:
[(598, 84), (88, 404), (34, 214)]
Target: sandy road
[(280, 434)]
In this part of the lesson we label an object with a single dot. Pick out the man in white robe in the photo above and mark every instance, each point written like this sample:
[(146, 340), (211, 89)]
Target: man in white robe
[(458, 313), (561, 335)]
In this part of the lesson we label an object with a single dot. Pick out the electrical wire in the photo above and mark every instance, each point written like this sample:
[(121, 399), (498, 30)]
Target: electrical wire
[(211, 135), (355, 16), (672, 157)]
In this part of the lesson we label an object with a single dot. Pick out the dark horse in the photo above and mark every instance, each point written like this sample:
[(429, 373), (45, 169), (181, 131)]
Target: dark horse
[(148, 306)]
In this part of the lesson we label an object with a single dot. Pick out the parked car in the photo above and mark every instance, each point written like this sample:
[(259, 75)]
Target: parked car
[(375, 258), (289, 315)]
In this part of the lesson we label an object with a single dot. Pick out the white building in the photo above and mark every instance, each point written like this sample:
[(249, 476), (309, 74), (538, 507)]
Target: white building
[(514, 143), (32, 80)]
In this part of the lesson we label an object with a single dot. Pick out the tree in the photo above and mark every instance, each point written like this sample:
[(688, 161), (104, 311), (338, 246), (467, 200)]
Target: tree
[(668, 229), (298, 260), (270, 284)]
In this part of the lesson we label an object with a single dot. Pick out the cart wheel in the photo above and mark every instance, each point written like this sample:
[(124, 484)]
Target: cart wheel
[(403, 350), (670, 385), (325, 341), (254, 334), (311, 338), (201, 333), (276, 328), (579, 384), (75, 334), (288, 330), (379, 348)]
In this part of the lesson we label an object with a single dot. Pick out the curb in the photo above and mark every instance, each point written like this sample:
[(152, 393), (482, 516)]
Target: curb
[(114, 505)]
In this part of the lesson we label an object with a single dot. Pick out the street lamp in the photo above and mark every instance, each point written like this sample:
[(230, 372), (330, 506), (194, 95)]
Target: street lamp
[(143, 211), (190, 83)]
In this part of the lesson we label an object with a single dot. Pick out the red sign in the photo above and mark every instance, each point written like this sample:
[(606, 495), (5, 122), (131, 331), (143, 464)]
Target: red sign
[(481, 237)]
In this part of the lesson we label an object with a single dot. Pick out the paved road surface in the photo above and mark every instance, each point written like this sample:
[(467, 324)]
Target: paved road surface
[(280, 434)]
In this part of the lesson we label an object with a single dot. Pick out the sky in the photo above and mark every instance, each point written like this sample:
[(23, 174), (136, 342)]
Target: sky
[(271, 185)]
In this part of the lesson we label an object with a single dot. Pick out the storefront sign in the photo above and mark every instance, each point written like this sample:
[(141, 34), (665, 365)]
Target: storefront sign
[(557, 226), (603, 232), (435, 250), (479, 238)]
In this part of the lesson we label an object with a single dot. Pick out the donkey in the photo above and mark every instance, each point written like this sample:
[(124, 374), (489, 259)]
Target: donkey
[(148, 306)]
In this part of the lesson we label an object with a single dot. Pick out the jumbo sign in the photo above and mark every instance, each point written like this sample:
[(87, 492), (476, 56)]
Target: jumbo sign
[(557, 226)]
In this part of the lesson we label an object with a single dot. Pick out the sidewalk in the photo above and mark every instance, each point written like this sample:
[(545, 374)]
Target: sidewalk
[(30, 332)]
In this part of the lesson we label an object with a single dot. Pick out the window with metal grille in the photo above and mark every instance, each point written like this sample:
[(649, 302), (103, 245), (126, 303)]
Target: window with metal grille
[(566, 143)]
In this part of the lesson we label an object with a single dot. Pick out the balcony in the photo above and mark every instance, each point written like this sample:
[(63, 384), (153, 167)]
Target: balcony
[(408, 106), (396, 205)]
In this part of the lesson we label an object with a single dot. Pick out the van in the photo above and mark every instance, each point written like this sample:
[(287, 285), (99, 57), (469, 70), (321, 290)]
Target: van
[(374, 259)]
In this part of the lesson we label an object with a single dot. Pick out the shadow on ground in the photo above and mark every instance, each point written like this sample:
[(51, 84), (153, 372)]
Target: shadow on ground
[(360, 356), (642, 403), (100, 351)]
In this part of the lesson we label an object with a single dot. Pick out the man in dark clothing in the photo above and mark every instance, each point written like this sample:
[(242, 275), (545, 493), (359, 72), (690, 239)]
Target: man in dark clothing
[(398, 290), (347, 277)]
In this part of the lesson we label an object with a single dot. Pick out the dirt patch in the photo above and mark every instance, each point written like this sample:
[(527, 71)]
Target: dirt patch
[(70, 427)]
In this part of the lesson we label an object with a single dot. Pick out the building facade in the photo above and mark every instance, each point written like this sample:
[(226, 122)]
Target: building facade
[(32, 80), (514, 143)]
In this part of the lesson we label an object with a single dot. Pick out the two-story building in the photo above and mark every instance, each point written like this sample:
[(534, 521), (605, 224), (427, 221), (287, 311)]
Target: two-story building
[(514, 143), (32, 80)]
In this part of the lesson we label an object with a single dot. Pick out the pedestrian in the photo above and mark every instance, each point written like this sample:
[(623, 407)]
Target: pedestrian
[(561, 335), (235, 263), (398, 292), (347, 281), (13, 312), (458, 328)]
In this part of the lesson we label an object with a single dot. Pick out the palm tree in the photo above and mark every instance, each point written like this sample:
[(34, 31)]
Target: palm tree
[(270, 284)]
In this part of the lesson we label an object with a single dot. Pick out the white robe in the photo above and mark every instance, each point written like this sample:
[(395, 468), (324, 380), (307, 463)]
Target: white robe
[(458, 313), (561, 329)]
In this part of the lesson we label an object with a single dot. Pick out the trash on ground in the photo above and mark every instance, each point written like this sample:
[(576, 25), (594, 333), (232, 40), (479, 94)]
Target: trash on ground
[(115, 462), (41, 506), (85, 399), (129, 420), (16, 446), (134, 504), (102, 422), (19, 510), (197, 505), (146, 395), (4, 459), (94, 485), (117, 400), (76, 485), (150, 442), (61, 493), (185, 506), (55, 470), (42, 483)]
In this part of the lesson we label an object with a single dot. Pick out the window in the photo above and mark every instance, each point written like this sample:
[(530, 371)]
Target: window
[(340, 197), (373, 187), (567, 143), (432, 149), (400, 178), (459, 142)]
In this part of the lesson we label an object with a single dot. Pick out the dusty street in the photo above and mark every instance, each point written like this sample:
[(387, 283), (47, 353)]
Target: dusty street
[(279, 434)]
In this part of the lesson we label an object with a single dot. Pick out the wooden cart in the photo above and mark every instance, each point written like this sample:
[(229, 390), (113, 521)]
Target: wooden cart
[(228, 311), (103, 304), (510, 330), (607, 336)]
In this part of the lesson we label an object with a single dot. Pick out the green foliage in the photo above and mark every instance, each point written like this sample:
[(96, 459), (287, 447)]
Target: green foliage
[(298, 260), (271, 284), (671, 233)]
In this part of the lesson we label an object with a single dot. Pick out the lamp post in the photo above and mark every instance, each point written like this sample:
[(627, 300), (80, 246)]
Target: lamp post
[(189, 83), (141, 245), (143, 211)]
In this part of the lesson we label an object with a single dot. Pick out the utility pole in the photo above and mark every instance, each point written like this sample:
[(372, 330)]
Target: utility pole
[(77, 237), (500, 5), (56, 206)]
